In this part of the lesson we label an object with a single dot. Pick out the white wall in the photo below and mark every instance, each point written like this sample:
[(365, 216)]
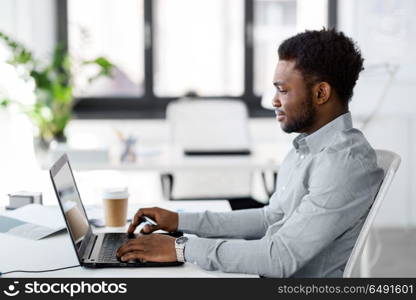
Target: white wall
[(385, 32), (30, 22)]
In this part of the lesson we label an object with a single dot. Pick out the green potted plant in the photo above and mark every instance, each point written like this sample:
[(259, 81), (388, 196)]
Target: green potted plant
[(52, 109)]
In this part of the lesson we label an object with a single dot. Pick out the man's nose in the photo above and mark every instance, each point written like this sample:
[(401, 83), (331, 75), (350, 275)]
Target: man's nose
[(276, 101)]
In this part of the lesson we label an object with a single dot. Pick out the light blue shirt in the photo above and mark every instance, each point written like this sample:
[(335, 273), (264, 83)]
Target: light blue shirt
[(325, 187)]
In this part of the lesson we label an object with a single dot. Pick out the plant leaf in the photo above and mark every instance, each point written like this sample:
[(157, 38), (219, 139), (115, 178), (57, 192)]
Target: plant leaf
[(4, 102)]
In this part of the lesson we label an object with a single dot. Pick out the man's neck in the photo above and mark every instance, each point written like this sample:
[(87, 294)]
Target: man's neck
[(325, 119)]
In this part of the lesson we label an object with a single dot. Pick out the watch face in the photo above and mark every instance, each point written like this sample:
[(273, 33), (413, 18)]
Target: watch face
[(181, 240)]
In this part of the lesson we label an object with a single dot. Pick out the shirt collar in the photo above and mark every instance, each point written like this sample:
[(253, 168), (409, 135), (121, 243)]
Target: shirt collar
[(316, 141)]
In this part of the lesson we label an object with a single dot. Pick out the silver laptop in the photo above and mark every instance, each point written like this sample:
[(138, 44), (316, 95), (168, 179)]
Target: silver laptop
[(92, 249)]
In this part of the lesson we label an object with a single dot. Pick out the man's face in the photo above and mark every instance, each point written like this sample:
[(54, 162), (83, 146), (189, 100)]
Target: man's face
[(292, 101)]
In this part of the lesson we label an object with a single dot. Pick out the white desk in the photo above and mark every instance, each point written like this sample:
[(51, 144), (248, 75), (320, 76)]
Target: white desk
[(57, 251), (265, 159), (168, 159)]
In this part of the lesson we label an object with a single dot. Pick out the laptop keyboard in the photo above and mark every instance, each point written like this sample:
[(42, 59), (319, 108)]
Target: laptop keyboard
[(111, 242)]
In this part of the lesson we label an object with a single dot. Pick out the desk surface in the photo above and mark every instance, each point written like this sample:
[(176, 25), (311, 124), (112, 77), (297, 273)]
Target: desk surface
[(167, 159), (57, 251)]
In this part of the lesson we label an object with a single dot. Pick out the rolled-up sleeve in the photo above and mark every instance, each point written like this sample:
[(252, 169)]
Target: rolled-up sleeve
[(341, 191), (240, 224)]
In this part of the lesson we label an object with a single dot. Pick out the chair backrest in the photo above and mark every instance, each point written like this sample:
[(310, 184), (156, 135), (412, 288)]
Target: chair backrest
[(389, 162), (205, 124)]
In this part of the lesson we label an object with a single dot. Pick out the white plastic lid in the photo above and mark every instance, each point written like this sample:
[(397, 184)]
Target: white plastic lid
[(115, 193)]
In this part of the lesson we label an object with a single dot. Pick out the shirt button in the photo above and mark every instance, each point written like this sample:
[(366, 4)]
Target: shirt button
[(302, 156), (283, 188)]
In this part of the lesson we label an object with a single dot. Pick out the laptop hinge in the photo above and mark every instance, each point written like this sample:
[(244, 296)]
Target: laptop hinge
[(90, 247)]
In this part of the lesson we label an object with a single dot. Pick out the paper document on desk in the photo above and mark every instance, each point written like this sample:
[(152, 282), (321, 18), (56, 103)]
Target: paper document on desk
[(33, 221)]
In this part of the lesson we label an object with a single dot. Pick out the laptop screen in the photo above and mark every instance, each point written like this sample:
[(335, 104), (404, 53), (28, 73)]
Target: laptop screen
[(71, 205)]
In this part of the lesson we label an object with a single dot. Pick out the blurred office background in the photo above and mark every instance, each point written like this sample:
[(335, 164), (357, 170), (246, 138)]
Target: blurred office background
[(164, 50)]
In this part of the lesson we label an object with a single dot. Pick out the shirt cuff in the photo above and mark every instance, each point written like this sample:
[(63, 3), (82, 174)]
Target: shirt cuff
[(197, 249)]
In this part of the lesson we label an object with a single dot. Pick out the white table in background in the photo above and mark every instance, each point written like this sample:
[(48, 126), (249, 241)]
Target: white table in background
[(168, 159)]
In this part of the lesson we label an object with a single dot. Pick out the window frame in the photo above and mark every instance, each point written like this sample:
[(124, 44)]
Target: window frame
[(151, 106)]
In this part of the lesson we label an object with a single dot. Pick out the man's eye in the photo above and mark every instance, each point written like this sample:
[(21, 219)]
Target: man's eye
[(282, 91)]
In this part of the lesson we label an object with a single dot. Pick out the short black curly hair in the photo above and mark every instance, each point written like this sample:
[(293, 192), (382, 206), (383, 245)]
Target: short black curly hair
[(325, 55)]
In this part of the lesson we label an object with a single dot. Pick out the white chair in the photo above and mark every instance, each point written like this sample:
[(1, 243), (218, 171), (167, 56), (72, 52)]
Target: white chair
[(357, 265), (208, 125), (206, 129)]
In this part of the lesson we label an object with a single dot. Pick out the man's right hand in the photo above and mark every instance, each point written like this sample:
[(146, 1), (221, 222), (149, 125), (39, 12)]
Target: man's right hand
[(165, 219)]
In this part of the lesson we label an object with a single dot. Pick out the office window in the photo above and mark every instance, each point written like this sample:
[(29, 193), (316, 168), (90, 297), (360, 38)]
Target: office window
[(274, 21), (199, 46), (113, 29), (166, 48)]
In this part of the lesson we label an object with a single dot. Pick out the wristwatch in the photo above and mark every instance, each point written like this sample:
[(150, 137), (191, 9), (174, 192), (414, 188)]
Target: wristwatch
[(180, 248)]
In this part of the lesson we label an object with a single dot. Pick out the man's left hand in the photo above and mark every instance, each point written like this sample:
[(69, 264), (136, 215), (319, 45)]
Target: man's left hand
[(153, 247)]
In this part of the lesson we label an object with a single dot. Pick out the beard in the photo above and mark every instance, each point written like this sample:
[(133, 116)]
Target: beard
[(304, 119)]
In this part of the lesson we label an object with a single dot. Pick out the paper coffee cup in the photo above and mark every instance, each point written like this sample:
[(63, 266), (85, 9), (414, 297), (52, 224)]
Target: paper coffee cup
[(115, 202)]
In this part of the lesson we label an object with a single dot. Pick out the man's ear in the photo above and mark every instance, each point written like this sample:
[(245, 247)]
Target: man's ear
[(322, 92)]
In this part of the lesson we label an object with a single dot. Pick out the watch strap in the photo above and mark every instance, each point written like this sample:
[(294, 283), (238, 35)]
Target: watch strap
[(180, 251)]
